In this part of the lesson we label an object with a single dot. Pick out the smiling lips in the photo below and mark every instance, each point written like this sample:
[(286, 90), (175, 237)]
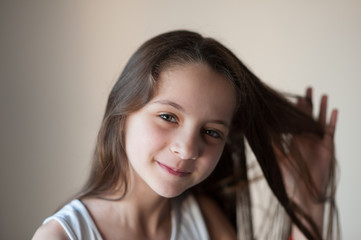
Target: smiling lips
[(173, 171)]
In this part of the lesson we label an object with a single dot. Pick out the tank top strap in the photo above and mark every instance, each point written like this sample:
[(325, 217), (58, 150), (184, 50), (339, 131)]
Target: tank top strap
[(187, 219), (76, 221)]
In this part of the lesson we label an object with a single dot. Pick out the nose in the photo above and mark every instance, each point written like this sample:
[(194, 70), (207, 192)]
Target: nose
[(186, 146)]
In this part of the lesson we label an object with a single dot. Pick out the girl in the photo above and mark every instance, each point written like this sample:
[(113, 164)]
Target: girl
[(181, 112)]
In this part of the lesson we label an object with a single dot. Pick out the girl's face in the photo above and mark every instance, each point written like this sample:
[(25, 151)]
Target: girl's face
[(175, 141)]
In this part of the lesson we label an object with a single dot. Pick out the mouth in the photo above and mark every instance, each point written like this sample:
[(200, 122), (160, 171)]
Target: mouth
[(173, 171)]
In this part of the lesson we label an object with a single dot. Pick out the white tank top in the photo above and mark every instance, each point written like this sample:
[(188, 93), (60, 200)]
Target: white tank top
[(187, 220)]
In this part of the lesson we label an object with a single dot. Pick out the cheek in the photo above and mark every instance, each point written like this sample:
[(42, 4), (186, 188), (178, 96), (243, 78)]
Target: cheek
[(153, 137), (143, 137), (211, 160)]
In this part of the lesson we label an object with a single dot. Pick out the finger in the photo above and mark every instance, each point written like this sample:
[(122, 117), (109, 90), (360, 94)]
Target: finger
[(305, 103), (309, 94), (333, 121), (323, 111), (308, 99)]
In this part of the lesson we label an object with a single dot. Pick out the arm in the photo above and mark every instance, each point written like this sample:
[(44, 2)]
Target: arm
[(50, 230), (217, 223)]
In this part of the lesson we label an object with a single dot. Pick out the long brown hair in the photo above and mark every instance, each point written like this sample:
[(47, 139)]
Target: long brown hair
[(262, 118)]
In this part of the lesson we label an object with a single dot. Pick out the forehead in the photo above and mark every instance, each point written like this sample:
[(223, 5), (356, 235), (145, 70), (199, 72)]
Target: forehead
[(198, 88)]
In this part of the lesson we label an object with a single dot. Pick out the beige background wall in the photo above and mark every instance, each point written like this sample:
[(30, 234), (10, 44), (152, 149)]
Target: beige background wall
[(59, 59)]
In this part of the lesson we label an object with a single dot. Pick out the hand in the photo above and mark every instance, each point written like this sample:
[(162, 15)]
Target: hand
[(317, 156), (318, 153)]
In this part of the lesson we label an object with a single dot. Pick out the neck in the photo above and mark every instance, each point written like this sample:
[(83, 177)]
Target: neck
[(143, 210)]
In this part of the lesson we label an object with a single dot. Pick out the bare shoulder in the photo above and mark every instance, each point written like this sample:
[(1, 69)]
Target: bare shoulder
[(218, 225), (50, 230)]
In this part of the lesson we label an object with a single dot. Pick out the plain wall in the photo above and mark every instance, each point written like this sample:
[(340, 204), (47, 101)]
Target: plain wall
[(59, 60)]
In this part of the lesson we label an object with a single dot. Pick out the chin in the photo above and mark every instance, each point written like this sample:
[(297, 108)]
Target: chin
[(168, 193)]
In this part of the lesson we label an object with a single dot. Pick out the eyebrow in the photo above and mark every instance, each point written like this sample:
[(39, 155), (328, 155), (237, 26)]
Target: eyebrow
[(180, 108), (171, 103), (220, 122)]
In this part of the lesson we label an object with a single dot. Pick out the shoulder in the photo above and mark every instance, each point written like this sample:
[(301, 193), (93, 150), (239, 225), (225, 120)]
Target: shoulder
[(71, 221), (50, 230), (217, 223)]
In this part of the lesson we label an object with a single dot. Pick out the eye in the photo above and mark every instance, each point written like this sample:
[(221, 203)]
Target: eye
[(168, 117), (212, 133)]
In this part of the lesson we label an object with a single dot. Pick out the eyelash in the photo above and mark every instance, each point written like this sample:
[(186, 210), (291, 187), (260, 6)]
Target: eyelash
[(172, 119), (166, 117), (212, 133)]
